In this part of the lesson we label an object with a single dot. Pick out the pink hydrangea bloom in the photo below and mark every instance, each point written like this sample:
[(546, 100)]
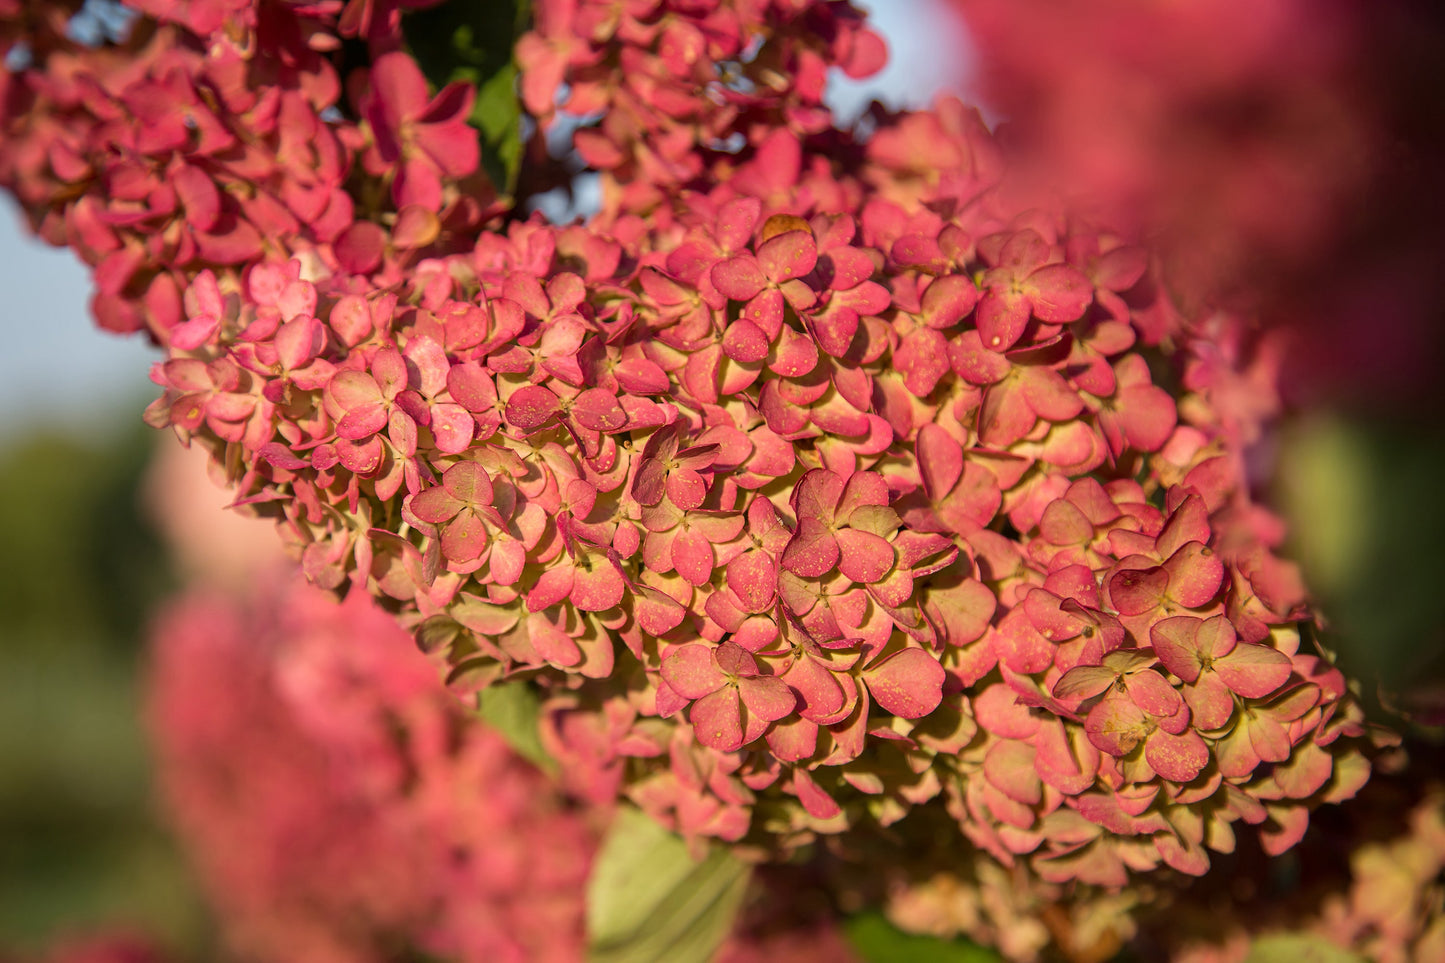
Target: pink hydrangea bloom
[(825, 483), (337, 802)]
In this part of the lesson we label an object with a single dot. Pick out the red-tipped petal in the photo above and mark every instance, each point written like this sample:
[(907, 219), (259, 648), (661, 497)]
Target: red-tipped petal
[(717, 720), (691, 670), (1254, 671), (908, 684), (532, 407), (1136, 591)]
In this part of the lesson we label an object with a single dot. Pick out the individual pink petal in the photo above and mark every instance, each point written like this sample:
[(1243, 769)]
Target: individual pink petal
[(753, 578), (745, 342), (940, 460), (1005, 415), (399, 90), (1009, 765), (686, 489), (192, 334), (1065, 759), (531, 407), (922, 359), (861, 488), (1063, 524), (964, 611), (552, 644), (1286, 826), (1153, 693), (766, 310), (1189, 522), (1253, 671), (1182, 854), (469, 482), (1083, 682), (361, 247), (974, 363), (1267, 737), (443, 133), (948, 300), (1059, 293), (820, 696), (863, 556), (435, 505), (739, 278), (552, 586), (791, 254), (717, 719), (767, 697), (812, 552), (1051, 621), (692, 556), (1174, 643), (638, 375), (198, 194), (471, 386), (597, 409), (1116, 724), (507, 560), (1195, 575), (453, 427), (908, 684), (735, 222), (1020, 646), (597, 586), (657, 612), (464, 538), (793, 740), (1148, 416), (1001, 320), (818, 803), (1136, 591), (362, 422), (691, 670), (415, 227), (1049, 395), (734, 660), (1210, 702), (1306, 772)]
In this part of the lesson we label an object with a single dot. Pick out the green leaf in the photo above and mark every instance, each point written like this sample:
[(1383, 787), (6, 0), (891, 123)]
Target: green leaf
[(879, 941), (1299, 948), (650, 901), (472, 41), (512, 708)]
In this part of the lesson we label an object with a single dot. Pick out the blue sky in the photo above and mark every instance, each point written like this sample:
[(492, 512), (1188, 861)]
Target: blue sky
[(56, 366)]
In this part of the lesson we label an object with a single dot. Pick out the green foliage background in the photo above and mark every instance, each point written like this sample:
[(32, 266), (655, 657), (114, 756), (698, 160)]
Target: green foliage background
[(80, 570)]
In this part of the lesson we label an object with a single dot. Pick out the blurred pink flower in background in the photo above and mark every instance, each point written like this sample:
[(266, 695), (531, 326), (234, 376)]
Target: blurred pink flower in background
[(1280, 151), (210, 544), (336, 801)]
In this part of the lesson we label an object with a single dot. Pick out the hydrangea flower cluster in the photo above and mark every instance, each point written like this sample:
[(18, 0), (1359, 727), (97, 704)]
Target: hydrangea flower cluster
[(1379, 900), (821, 479), (341, 807)]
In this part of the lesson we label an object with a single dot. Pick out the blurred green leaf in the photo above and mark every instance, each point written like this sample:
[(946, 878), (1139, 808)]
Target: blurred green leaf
[(1299, 948), (1366, 523), (649, 901), (512, 708), (471, 41), (79, 575), (879, 941)]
